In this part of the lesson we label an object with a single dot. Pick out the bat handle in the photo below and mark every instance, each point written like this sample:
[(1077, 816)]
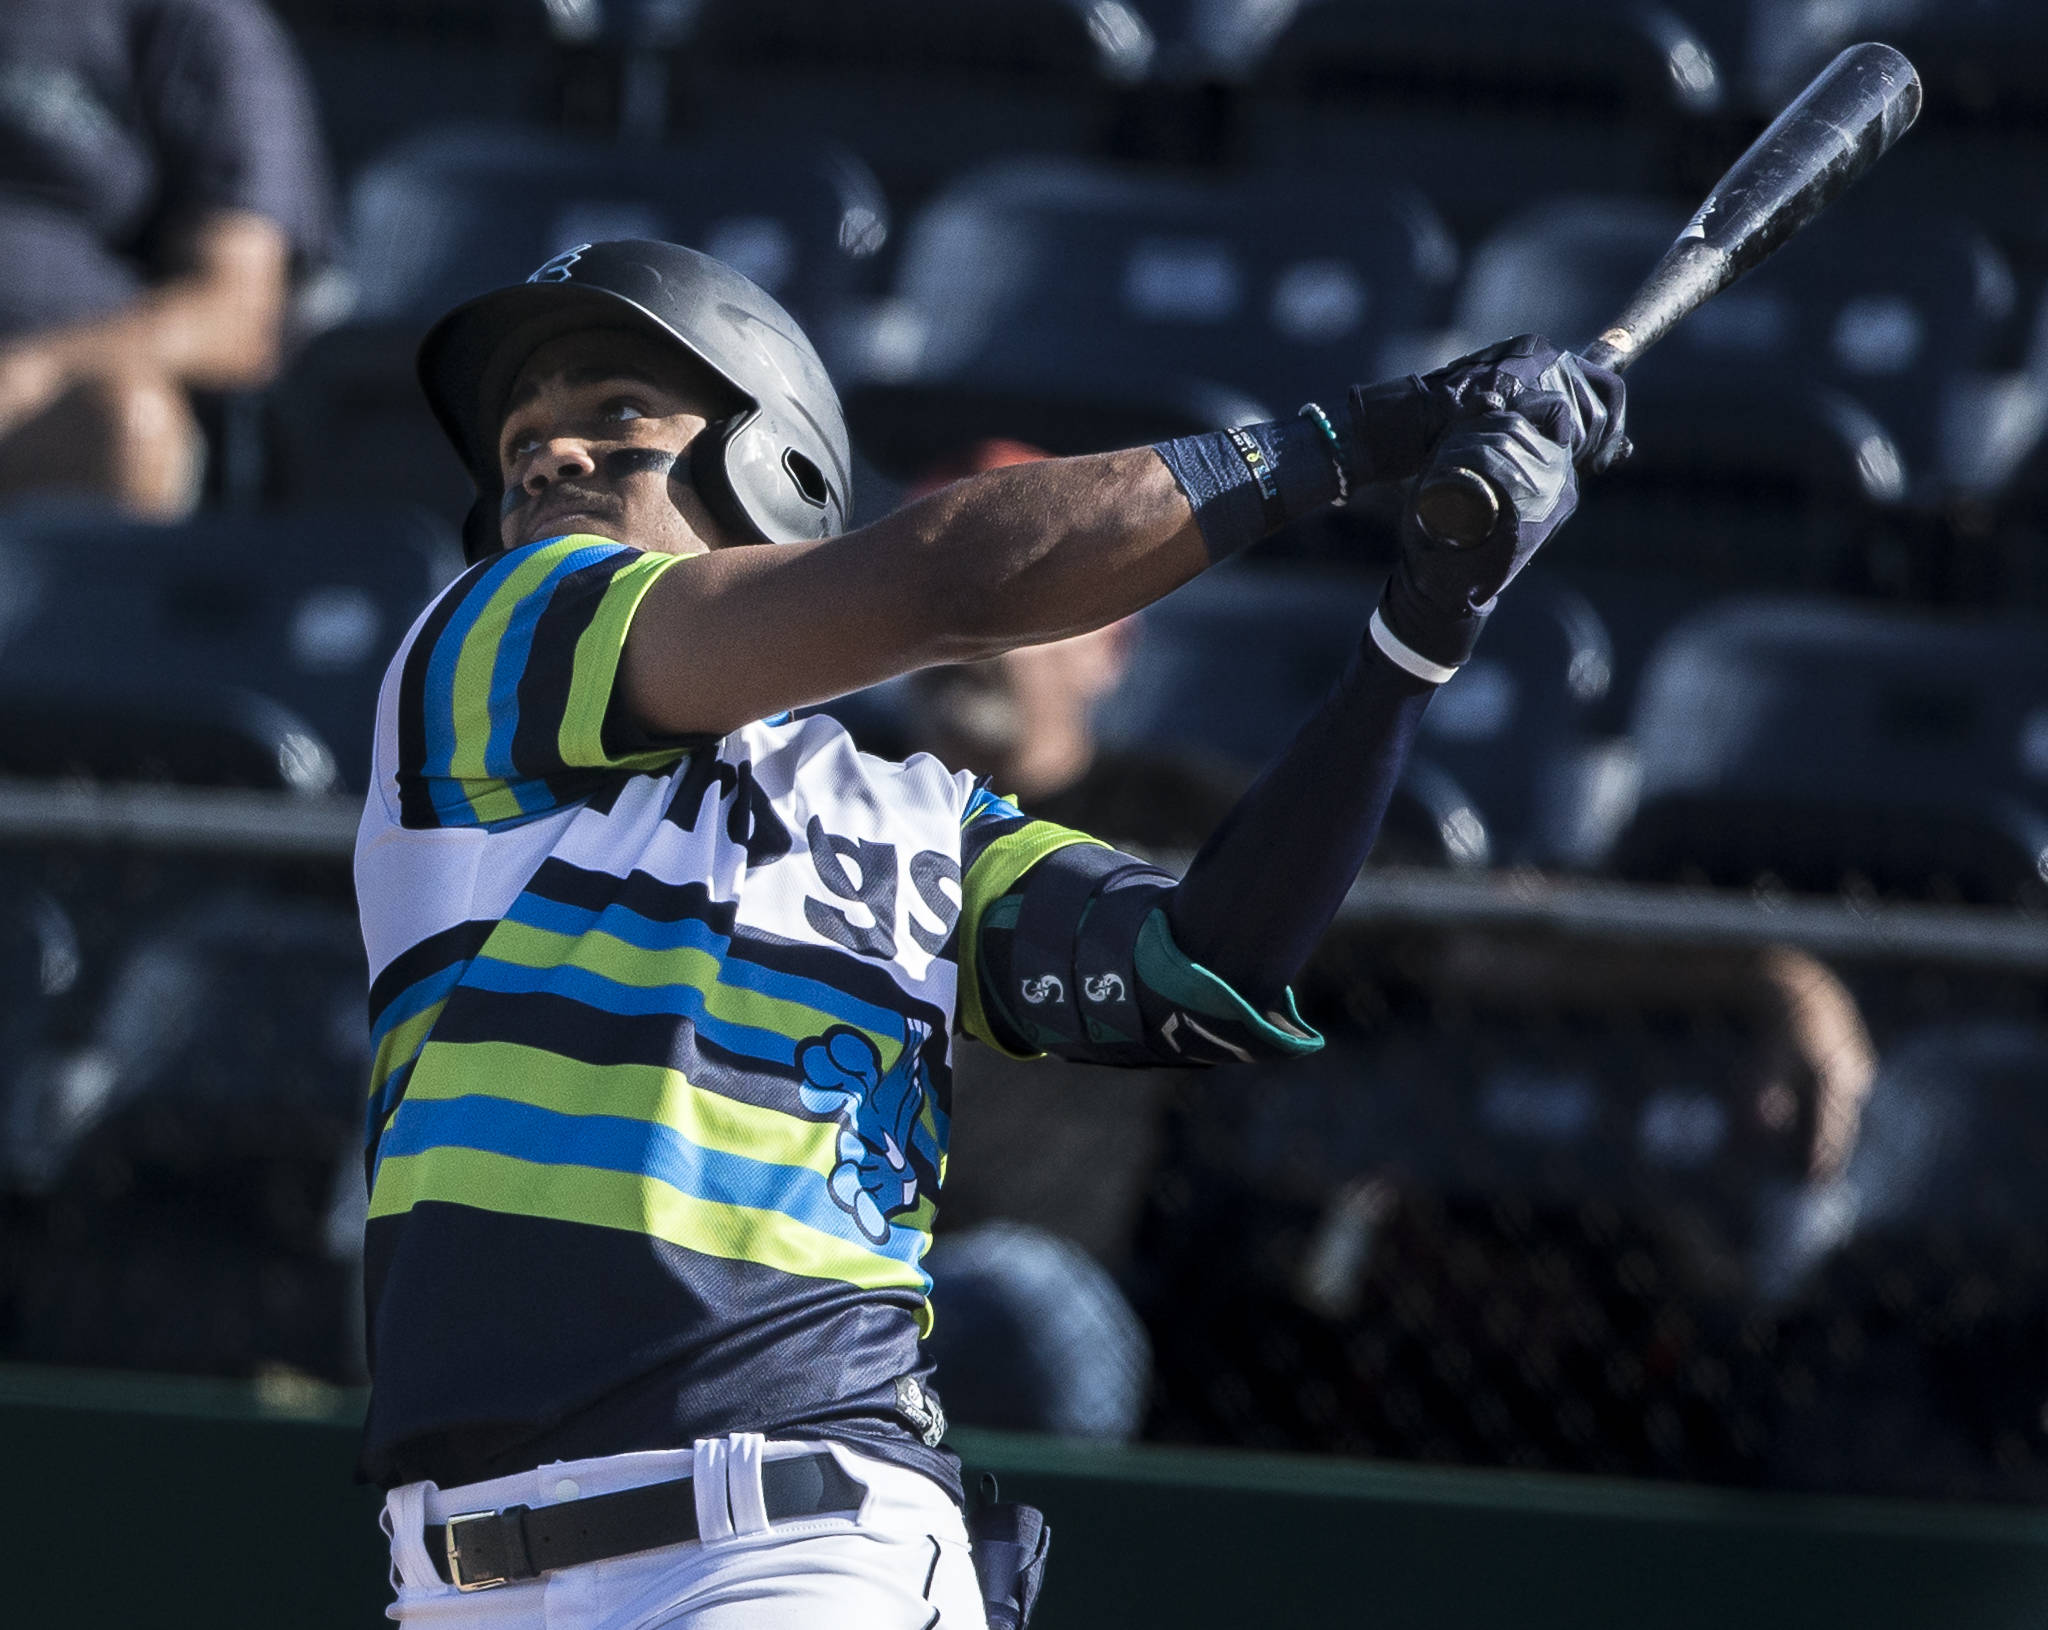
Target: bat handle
[(1458, 507)]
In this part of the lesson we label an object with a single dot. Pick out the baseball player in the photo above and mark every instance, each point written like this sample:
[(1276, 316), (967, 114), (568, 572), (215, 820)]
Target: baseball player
[(664, 978)]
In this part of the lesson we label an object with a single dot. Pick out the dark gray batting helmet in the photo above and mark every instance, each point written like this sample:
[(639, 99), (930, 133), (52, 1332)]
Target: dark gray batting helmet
[(776, 469)]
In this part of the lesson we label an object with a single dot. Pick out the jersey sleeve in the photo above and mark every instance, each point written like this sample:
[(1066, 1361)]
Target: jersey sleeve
[(998, 845), (505, 690), (1065, 948)]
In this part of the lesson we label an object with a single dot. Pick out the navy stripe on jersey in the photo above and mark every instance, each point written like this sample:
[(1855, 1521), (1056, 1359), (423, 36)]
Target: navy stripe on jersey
[(431, 956)]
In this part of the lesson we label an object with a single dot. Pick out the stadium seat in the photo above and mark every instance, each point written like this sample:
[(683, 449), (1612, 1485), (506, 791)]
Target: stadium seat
[(1909, 313), (920, 88), (383, 68), (41, 964), (200, 1141), (1918, 1282), (237, 649), (1081, 306), (1834, 748), (1235, 661), (2001, 554), (457, 211), (1739, 485), (1484, 103)]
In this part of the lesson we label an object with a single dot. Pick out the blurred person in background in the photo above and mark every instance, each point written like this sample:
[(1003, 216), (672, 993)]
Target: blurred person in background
[(1025, 720), (1030, 1324), (161, 177)]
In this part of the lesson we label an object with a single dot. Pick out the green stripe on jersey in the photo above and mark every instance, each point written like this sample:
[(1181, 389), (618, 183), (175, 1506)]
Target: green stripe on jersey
[(469, 701), (598, 650), (642, 968), (641, 1092), (632, 1203)]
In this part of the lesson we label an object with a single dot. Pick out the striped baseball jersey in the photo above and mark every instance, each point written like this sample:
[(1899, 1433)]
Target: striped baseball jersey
[(657, 1116)]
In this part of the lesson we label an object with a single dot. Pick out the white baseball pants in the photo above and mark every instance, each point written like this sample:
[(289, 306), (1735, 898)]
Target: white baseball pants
[(899, 1563)]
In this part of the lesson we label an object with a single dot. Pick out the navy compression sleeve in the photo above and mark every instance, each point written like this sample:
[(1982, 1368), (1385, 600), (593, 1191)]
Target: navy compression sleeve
[(1264, 888)]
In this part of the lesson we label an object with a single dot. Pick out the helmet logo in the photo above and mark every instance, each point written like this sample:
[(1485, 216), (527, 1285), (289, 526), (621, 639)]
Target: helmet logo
[(557, 270)]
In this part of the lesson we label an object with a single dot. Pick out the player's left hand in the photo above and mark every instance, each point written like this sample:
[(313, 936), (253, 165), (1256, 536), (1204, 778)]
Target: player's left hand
[(1514, 372), (1392, 428)]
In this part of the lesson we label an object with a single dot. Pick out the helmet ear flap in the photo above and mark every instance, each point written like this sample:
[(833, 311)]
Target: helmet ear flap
[(711, 475)]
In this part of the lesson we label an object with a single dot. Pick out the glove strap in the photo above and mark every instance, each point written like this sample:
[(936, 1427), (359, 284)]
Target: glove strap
[(1402, 657), (1437, 639)]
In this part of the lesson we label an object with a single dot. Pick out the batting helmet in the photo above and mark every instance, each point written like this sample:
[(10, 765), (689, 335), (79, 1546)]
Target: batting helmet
[(775, 469)]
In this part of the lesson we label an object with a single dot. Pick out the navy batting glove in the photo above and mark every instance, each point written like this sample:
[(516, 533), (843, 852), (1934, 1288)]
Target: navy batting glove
[(1439, 596), (1393, 427), (1388, 434), (1501, 376)]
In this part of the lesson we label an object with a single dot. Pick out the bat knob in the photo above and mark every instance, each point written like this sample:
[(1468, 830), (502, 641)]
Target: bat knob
[(1457, 507)]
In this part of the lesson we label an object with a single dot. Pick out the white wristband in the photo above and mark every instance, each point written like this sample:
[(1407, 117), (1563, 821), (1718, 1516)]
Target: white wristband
[(1412, 661)]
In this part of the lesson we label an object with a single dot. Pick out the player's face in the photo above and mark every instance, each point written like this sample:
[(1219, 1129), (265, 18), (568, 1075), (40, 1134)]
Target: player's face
[(594, 426)]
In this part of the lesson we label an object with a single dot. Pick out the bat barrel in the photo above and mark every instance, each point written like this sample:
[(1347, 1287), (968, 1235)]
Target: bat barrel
[(1839, 126)]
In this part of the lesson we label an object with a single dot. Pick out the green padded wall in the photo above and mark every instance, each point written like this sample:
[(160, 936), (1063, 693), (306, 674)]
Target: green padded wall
[(147, 1501)]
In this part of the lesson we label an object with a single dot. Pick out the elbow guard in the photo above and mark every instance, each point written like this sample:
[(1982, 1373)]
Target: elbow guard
[(1078, 960)]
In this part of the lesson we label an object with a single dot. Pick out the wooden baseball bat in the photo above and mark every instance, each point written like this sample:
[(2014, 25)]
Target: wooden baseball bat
[(1832, 132)]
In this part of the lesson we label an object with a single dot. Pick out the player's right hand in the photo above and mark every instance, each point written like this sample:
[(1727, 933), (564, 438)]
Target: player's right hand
[(1438, 596)]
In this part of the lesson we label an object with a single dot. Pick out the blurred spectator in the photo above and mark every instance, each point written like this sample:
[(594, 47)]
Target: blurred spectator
[(1910, 1362), (1025, 721), (1049, 1159), (160, 175), (1033, 1335), (1513, 1214)]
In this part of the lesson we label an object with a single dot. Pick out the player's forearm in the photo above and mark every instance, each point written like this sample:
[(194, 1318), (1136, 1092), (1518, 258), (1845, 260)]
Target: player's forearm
[(1015, 557), (1263, 890), (1040, 552)]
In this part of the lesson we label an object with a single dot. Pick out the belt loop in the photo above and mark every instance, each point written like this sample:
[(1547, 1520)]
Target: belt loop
[(406, 1509), (743, 1491), (708, 1467)]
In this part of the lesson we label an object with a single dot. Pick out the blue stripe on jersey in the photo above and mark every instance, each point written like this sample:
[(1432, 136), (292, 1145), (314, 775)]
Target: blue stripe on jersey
[(416, 998), (646, 1148), (439, 688), (510, 663), (653, 934), (594, 990), (986, 805), (380, 1108)]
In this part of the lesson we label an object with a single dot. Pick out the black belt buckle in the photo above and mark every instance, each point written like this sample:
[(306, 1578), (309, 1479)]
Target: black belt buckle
[(471, 1562)]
